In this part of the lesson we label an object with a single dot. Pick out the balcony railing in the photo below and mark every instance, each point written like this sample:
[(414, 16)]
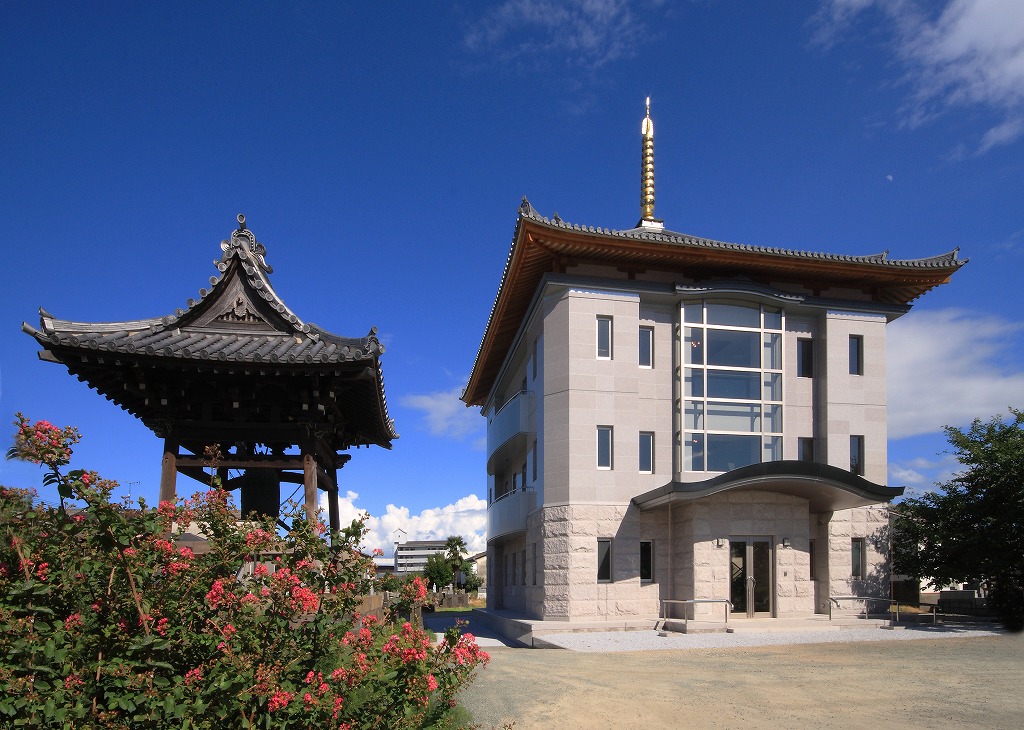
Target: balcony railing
[(507, 513), (508, 432)]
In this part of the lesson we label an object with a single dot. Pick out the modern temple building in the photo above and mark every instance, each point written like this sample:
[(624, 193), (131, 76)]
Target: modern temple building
[(677, 418)]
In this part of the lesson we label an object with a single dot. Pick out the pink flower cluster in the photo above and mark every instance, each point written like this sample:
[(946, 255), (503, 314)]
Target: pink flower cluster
[(411, 646), (279, 700), (44, 443), (258, 539)]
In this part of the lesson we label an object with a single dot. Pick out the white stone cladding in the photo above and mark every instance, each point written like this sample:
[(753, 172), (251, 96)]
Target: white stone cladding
[(547, 568)]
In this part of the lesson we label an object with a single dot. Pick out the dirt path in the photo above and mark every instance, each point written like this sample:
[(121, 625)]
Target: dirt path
[(975, 682)]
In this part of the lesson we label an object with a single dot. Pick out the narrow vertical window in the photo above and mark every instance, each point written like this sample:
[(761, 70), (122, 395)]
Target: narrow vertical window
[(646, 452), (604, 338), (646, 561), (604, 561), (804, 357), (857, 455), (857, 557), (646, 354), (604, 447), (810, 556), (805, 449), (856, 355)]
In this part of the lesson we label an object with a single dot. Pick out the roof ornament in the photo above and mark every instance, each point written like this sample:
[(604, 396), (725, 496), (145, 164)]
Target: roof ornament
[(247, 239), (647, 219)]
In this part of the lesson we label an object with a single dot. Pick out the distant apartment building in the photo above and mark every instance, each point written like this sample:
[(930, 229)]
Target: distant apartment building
[(677, 418), (411, 556)]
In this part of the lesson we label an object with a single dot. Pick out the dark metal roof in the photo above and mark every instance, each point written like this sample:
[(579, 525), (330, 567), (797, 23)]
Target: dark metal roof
[(826, 488), (238, 326)]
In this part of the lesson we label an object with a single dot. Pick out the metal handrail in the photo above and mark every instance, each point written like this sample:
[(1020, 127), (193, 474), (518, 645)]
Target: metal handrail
[(837, 599), (664, 613)]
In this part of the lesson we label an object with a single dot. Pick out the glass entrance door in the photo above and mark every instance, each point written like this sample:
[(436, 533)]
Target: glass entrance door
[(751, 580)]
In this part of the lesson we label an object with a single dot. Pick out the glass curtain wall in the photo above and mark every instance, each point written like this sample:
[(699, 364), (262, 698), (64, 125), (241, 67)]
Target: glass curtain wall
[(732, 385)]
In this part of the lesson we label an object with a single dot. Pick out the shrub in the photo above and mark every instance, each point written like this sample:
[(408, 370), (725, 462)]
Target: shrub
[(106, 622)]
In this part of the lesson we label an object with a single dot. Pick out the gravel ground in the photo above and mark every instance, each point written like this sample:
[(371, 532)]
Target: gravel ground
[(854, 678)]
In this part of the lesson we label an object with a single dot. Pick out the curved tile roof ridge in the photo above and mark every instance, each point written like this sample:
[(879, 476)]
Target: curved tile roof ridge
[(526, 210)]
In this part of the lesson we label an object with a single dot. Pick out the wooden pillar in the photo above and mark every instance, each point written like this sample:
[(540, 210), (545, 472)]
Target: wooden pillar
[(309, 484), (169, 471), (335, 513)]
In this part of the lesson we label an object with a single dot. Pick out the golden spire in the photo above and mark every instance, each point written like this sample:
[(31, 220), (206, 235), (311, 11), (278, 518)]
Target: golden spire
[(647, 218)]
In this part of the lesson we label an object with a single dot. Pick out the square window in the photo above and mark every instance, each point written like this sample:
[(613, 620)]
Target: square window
[(646, 452), (646, 354), (604, 338), (604, 447), (857, 557), (604, 561), (856, 355), (646, 561), (804, 357), (857, 455)]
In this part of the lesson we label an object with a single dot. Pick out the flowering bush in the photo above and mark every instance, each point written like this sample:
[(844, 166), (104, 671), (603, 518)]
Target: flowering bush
[(106, 622)]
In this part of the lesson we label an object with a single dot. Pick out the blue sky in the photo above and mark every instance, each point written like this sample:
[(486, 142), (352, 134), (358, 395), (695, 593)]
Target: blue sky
[(380, 151)]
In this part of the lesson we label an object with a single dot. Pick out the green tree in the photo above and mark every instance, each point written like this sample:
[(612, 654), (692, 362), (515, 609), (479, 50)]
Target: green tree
[(455, 555), (437, 571), (974, 528)]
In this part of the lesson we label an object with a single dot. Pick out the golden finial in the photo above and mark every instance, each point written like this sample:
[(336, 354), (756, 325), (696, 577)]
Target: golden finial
[(647, 171)]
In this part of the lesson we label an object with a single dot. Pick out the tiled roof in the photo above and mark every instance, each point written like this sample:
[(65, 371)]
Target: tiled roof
[(941, 261), (237, 326), (540, 245), (254, 325)]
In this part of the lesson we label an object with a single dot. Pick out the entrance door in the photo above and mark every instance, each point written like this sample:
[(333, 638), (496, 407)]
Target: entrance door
[(751, 580)]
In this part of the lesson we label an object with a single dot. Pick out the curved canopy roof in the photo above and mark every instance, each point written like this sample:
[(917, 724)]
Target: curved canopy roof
[(236, 356), (826, 488)]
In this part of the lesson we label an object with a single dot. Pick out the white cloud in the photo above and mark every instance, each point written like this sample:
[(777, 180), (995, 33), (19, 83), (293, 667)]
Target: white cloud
[(446, 414), (466, 517), (948, 367), (955, 54), (582, 33)]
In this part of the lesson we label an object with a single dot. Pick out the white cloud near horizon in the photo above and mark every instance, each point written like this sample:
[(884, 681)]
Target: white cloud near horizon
[(467, 516), (955, 54), (582, 33), (445, 414), (948, 367)]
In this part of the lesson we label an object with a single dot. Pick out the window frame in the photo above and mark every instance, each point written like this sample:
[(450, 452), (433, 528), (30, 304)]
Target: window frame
[(607, 334), (645, 333), (604, 568), (650, 561), (804, 357), (649, 449), (610, 447), (857, 457), (856, 354), (858, 558)]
